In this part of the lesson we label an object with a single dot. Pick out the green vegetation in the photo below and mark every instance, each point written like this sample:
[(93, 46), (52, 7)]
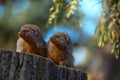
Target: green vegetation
[(109, 26)]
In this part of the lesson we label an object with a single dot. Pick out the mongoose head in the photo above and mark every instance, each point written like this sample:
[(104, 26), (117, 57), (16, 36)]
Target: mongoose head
[(61, 40), (29, 32)]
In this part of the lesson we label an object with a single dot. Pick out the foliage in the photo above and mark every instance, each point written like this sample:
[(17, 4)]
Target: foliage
[(109, 26), (64, 8)]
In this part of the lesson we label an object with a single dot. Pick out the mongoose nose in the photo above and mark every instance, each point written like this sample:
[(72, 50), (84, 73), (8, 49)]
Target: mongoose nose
[(19, 33)]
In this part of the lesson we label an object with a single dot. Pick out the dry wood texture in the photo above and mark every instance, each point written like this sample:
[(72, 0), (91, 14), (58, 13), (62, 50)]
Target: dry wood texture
[(22, 66)]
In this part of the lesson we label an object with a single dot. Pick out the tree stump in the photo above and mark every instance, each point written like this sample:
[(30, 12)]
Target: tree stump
[(26, 66)]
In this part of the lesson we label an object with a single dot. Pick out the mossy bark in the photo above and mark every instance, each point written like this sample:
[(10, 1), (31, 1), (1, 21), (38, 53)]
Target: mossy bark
[(25, 66)]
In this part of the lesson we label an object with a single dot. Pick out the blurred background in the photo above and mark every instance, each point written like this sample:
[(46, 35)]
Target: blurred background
[(99, 63)]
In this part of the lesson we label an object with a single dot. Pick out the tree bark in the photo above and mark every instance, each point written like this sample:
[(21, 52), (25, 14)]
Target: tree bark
[(26, 66)]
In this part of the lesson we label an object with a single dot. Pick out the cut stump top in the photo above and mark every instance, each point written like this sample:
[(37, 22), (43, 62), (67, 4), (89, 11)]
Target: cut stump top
[(26, 66)]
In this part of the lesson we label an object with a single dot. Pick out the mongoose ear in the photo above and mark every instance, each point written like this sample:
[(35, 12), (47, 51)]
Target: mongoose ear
[(66, 37)]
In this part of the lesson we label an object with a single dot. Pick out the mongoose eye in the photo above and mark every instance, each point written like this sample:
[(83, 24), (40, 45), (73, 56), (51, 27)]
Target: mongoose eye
[(35, 31), (25, 30), (57, 36)]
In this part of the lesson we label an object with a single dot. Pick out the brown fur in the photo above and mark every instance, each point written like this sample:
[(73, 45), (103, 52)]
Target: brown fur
[(60, 49), (31, 40)]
